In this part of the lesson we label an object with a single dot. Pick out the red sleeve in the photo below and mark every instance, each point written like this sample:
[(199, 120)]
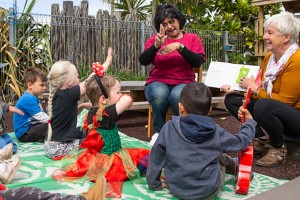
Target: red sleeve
[(93, 142), (150, 42)]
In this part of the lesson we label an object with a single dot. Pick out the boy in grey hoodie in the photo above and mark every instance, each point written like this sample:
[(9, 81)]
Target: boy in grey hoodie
[(190, 148)]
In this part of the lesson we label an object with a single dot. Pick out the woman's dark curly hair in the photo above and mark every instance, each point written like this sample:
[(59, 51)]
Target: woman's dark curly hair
[(164, 11)]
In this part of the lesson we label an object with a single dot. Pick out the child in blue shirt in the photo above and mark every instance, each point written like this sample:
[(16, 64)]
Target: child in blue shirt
[(32, 127)]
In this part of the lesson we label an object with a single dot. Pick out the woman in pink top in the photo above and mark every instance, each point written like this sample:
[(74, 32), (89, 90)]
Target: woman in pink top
[(173, 53)]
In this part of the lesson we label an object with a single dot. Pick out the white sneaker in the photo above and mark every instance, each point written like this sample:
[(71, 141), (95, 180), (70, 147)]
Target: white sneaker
[(6, 152), (11, 167), (153, 139)]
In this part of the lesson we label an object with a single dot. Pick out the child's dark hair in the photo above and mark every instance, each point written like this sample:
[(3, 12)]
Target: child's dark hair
[(164, 11), (196, 98), (94, 92), (32, 74)]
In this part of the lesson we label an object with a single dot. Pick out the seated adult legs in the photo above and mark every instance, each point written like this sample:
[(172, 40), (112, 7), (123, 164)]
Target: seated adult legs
[(174, 97), (277, 119), (157, 95), (233, 101)]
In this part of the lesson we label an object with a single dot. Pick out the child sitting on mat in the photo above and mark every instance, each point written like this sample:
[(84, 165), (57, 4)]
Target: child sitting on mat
[(32, 126), (190, 148), (64, 93), (103, 154)]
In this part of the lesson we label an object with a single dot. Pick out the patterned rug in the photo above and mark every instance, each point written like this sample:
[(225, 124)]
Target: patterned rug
[(36, 169)]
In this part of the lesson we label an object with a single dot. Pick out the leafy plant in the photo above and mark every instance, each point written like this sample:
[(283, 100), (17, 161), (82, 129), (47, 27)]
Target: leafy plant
[(31, 48), (236, 16), (127, 6)]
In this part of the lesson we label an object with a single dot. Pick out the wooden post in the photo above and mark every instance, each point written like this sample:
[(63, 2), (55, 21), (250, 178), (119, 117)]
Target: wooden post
[(54, 32), (259, 29)]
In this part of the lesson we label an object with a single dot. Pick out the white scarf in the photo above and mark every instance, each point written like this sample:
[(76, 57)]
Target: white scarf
[(274, 68)]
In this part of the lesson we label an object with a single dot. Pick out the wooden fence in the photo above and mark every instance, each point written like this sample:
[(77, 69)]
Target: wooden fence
[(83, 39)]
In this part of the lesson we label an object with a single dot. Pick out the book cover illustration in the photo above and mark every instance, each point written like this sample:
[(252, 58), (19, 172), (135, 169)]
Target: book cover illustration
[(221, 73)]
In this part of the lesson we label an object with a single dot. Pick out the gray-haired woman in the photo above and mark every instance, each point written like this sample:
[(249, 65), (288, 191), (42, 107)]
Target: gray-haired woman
[(277, 108)]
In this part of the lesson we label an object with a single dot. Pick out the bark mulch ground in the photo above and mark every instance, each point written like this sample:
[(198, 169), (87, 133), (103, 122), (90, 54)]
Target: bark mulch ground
[(134, 124)]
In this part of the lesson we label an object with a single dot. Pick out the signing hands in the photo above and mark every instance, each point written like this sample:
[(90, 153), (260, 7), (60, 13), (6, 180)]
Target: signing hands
[(160, 39)]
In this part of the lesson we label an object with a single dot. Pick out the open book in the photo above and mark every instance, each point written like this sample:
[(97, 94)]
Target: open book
[(221, 73)]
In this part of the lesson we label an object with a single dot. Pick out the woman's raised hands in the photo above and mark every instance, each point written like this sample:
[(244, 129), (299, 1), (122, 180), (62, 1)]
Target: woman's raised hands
[(161, 37)]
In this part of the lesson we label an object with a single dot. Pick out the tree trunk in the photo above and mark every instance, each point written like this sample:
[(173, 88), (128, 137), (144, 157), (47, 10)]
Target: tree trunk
[(154, 5)]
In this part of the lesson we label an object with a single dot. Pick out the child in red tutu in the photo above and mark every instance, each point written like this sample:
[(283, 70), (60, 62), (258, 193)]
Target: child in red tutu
[(103, 154)]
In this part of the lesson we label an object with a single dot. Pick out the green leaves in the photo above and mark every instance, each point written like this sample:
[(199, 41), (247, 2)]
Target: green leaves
[(126, 6), (235, 16), (31, 48)]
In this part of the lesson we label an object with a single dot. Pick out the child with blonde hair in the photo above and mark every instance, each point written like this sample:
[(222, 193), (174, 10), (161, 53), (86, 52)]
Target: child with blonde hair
[(64, 93), (103, 154)]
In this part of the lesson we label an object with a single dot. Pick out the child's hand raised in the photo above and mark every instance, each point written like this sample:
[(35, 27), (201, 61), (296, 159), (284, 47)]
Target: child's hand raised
[(245, 111), (108, 60)]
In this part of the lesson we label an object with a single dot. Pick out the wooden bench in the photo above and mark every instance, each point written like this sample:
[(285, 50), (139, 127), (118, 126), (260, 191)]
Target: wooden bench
[(144, 105), (139, 105), (136, 90)]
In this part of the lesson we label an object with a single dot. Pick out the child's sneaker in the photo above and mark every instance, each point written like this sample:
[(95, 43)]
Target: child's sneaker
[(6, 152), (10, 168)]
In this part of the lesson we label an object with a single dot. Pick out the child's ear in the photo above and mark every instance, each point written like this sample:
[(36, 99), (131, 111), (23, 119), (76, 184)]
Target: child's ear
[(209, 110), (102, 100), (181, 109), (29, 84)]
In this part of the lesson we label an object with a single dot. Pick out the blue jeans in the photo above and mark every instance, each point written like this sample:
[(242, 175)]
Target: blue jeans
[(6, 139), (161, 96)]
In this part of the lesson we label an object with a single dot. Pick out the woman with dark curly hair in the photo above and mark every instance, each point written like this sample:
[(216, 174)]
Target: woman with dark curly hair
[(173, 53)]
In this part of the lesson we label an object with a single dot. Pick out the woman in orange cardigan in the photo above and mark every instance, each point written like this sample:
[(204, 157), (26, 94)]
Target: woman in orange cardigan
[(277, 108)]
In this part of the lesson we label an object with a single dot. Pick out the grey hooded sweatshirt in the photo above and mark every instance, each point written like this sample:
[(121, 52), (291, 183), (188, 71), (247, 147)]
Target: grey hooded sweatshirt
[(188, 148)]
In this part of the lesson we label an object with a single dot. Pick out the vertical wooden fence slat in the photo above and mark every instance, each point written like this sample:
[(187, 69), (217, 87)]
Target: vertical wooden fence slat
[(54, 30)]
